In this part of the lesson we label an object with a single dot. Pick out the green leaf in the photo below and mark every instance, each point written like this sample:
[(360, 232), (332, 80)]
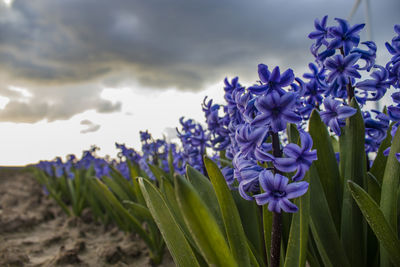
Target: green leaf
[(390, 185), (353, 167), (378, 167), (267, 227), (175, 239), (171, 164), (205, 230), (206, 192), (327, 166), (374, 187), (230, 214), (141, 212), (122, 212), (158, 173), (123, 183), (296, 251), (250, 215), (322, 227), (115, 188), (376, 219), (134, 172), (293, 133), (169, 195)]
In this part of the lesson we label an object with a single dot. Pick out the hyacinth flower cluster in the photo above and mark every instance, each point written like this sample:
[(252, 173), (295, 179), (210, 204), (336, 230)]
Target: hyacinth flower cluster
[(154, 151), (341, 61), (194, 139), (393, 70), (89, 160), (261, 158), (253, 115)]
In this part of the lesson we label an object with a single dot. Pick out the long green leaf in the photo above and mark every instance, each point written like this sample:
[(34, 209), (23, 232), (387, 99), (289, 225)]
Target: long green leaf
[(327, 166), (353, 167), (378, 167), (115, 188), (202, 225), (296, 252), (250, 214), (374, 187), (207, 193), (175, 239), (230, 214), (134, 223), (390, 185), (141, 212), (134, 171), (322, 227), (376, 219), (267, 228), (123, 183), (169, 195)]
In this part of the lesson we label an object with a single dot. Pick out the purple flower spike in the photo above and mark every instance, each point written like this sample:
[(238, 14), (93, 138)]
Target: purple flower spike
[(276, 111), (299, 158), (334, 114), (278, 192)]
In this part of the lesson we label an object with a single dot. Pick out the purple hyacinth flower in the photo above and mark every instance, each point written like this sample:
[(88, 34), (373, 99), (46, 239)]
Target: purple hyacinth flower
[(342, 68), (262, 153), (228, 174), (321, 31), (247, 173), (345, 37), (299, 158), (272, 81), (368, 56), (278, 192), (378, 85), (248, 138), (394, 113), (334, 114), (276, 111)]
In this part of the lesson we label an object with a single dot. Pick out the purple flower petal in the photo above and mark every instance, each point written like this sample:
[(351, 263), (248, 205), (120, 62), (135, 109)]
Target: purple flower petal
[(285, 164), (287, 206), (296, 189)]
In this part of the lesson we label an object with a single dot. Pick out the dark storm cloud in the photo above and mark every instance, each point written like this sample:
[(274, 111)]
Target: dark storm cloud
[(181, 44)]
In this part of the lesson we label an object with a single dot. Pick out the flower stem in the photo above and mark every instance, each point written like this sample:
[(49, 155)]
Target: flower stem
[(276, 234), (276, 239)]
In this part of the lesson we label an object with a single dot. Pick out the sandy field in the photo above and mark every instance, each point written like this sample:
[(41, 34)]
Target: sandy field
[(35, 232)]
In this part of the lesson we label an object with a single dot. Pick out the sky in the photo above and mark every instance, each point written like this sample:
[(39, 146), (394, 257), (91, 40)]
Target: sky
[(76, 73)]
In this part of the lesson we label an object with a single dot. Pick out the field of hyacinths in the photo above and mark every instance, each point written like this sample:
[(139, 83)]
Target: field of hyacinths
[(287, 172)]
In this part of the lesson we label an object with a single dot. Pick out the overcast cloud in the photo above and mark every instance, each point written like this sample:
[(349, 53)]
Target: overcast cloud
[(65, 52)]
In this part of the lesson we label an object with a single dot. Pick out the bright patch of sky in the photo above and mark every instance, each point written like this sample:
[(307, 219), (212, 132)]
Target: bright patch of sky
[(156, 111), (8, 2)]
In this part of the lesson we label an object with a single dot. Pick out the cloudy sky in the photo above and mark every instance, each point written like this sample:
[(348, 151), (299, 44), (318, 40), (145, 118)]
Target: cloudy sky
[(79, 72)]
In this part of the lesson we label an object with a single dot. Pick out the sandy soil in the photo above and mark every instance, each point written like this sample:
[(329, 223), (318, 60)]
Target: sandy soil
[(35, 232)]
